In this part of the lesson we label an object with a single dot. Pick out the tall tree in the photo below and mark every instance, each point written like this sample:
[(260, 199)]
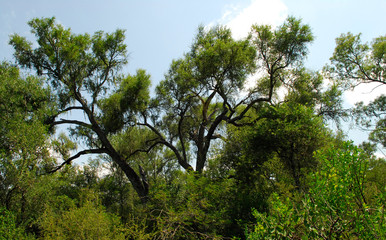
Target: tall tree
[(204, 89), (80, 69)]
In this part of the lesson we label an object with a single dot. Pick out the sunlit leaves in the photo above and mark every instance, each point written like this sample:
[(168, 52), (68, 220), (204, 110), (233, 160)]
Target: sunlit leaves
[(73, 62), (335, 206), (354, 62), (286, 46)]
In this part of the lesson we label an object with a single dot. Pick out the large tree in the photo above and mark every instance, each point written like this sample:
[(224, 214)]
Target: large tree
[(208, 86), (80, 68)]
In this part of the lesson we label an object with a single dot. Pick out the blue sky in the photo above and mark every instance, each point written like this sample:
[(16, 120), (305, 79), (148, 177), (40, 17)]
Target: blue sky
[(159, 31)]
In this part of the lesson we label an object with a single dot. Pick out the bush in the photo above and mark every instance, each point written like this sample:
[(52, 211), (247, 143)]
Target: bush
[(88, 221), (8, 228), (336, 205)]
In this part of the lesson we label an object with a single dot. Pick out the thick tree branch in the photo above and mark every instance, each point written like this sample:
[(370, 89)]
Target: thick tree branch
[(84, 152), (76, 122), (183, 162), (180, 133)]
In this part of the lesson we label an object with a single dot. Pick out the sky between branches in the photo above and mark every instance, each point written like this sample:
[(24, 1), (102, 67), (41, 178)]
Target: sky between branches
[(159, 31)]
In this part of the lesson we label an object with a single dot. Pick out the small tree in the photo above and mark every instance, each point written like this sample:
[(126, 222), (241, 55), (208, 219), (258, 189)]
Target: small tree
[(23, 137)]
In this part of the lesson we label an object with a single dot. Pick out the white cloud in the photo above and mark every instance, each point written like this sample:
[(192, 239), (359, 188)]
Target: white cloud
[(240, 20), (366, 92)]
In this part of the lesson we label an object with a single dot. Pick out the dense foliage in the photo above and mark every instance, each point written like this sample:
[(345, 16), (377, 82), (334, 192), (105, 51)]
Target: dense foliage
[(234, 144)]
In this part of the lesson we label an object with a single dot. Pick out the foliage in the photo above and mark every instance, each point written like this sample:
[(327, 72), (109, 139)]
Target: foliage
[(8, 228), (354, 62), (288, 133), (86, 221), (307, 89), (203, 90), (245, 112), (195, 207), (372, 116), (81, 68), (24, 104), (335, 206)]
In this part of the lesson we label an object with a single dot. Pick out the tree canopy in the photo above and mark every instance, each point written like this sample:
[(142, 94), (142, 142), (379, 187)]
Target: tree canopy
[(81, 68), (208, 86), (233, 144)]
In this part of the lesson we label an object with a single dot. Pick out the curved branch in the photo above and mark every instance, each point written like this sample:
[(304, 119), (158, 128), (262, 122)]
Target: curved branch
[(84, 152), (71, 108), (148, 149), (66, 110), (76, 122), (183, 162)]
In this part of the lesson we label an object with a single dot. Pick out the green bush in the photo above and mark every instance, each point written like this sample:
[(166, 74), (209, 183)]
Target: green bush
[(336, 205), (8, 228), (87, 221)]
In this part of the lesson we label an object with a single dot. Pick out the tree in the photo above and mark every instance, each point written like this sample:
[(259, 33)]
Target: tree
[(80, 69), (372, 116), (23, 137), (89, 220), (354, 63), (203, 90), (307, 89), (287, 134), (8, 228)]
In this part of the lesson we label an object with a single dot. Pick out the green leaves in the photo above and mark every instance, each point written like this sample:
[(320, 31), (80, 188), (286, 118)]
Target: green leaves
[(371, 116), (216, 63), (8, 228), (354, 62), (205, 88), (288, 132), (73, 62), (338, 189), (131, 96), (24, 103), (286, 46), (220, 61), (88, 221), (334, 207)]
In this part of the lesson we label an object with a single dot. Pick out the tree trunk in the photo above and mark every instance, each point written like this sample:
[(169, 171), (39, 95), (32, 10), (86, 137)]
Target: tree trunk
[(201, 159), (140, 184)]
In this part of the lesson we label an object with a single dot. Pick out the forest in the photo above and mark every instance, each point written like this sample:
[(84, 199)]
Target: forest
[(238, 141)]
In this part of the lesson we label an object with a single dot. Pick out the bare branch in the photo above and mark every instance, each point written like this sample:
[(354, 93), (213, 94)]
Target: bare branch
[(148, 149), (84, 152), (183, 162), (76, 122)]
